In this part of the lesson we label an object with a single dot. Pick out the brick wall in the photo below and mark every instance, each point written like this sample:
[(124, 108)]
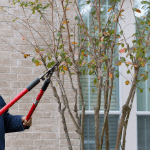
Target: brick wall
[(16, 72)]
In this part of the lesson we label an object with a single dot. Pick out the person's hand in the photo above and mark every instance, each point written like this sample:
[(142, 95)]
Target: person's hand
[(25, 122)]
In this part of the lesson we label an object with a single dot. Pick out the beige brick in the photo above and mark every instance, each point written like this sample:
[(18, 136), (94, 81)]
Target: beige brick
[(7, 91), (4, 69), (10, 148), (26, 48), (20, 84), (44, 142), (22, 142), (16, 55), (70, 127), (7, 33), (25, 62), (4, 54), (44, 128), (49, 135), (44, 114), (25, 77), (27, 148), (4, 84), (71, 135), (8, 77), (48, 148), (29, 136), (21, 70), (8, 62)]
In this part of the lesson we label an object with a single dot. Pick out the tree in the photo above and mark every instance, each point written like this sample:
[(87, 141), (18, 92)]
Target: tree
[(88, 49)]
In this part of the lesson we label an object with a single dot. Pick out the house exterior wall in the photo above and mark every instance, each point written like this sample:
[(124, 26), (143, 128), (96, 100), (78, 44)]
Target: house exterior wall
[(129, 29)]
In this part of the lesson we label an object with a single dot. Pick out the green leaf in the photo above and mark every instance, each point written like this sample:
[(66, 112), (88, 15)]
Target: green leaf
[(33, 59), (33, 10), (122, 44), (121, 32), (100, 34), (95, 81), (50, 64), (58, 34), (88, 2), (128, 71), (105, 57), (88, 44), (93, 90), (76, 17), (81, 57), (84, 71), (62, 27), (141, 90), (93, 13), (15, 19), (117, 74)]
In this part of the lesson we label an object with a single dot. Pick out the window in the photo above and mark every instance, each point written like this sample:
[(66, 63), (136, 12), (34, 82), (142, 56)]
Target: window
[(143, 102), (88, 85), (89, 131)]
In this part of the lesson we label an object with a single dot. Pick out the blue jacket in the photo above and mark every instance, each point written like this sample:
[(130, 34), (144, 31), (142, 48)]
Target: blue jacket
[(8, 123)]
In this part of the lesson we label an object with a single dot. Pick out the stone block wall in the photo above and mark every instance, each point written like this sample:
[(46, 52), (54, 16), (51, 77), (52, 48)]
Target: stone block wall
[(16, 72)]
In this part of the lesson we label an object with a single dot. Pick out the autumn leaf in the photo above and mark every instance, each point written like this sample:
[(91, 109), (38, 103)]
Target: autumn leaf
[(101, 61), (137, 10), (82, 53), (141, 59), (64, 22), (127, 82), (102, 39), (142, 75), (62, 72), (149, 23), (26, 55), (67, 8), (1, 7), (110, 75), (143, 64), (37, 51), (74, 43), (109, 9), (122, 50), (37, 63), (118, 63), (65, 68), (40, 63), (106, 33), (23, 38), (135, 66), (118, 36), (96, 27), (98, 78), (128, 63), (122, 10), (85, 55)]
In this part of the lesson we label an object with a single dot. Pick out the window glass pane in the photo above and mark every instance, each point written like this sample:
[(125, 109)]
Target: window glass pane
[(143, 132), (143, 102), (90, 98), (89, 132)]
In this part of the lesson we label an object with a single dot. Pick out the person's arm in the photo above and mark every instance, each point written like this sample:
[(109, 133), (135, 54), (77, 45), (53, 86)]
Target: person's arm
[(12, 123)]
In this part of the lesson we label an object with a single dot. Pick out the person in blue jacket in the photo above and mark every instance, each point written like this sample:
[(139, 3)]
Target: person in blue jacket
[(11, 123)]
